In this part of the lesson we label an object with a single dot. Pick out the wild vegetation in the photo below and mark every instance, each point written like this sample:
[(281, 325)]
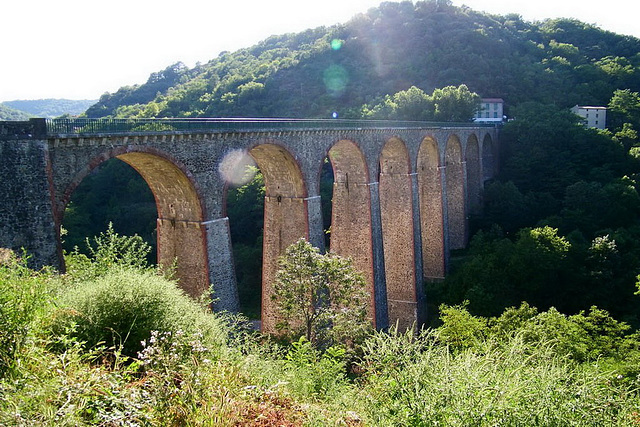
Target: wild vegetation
[(166, 360), (536, 324)]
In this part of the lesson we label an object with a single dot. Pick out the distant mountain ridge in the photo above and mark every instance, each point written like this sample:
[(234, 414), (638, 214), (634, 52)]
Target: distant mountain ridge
[(50, 108), (429, 44), (11, 114)]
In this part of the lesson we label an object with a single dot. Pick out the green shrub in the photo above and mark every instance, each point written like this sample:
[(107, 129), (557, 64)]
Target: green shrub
[(120, 309), (108, 250), (23, 294), (460, 330), (313, 374)]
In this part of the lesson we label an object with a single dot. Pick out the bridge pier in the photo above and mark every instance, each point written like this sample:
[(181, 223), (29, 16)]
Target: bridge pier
[(396, 206), (377, 246), (285, 221), (222, 275)]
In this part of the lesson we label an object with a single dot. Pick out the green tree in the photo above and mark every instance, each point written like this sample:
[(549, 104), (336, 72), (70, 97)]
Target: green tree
[(625, 108), (320, 297), (455, 104)]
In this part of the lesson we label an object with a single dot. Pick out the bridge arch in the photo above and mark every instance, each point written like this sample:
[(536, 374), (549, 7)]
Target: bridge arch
[(455, 192), (474, 178), (396, 210), (180, 231), (431, 209), (285, 214), (351, 233)]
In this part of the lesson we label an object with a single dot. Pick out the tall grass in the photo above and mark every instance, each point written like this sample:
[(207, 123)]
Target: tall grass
[(113, 344), (415, 380)]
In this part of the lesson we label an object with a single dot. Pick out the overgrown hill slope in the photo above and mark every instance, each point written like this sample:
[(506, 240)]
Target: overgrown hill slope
[(8, 113), (388, 49)]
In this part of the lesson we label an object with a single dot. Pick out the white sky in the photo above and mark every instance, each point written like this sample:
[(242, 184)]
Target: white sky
[(78, 49)]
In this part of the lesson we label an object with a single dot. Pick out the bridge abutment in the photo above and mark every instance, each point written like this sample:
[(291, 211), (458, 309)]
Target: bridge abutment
[(27, 219)]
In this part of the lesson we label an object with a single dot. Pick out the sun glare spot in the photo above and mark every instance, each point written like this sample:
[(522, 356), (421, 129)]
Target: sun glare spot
[(237, 167), (336, 79), (336, 44)]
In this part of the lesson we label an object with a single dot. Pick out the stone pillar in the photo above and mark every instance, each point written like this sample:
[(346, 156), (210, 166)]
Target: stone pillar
[(181, 244), (316, 227), (27, 219), (285, 221), (456, 212), (396, 202), (351, 231), (222, 274), (446, 247), (432, 222), (379, 280), (421, 300)]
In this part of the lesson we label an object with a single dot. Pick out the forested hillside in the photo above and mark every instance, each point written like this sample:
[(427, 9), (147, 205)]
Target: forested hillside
[(7, 113), (50, 108), (388, 49)]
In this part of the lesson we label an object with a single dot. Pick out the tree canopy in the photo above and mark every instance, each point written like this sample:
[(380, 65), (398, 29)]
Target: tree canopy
[(387, 50)]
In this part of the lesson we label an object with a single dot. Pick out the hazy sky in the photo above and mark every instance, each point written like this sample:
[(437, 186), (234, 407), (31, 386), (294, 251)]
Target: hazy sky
[(78, 50)]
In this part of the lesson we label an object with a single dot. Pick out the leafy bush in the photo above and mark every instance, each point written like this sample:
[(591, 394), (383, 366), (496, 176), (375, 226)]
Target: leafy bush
[(108, 249), (122, 307), (23, 294), (312, 374)]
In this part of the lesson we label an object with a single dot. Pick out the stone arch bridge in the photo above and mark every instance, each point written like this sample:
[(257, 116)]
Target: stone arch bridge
[(402, 194)]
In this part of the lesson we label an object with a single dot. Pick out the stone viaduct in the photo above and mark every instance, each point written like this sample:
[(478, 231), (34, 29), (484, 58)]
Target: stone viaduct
[(402, 194)]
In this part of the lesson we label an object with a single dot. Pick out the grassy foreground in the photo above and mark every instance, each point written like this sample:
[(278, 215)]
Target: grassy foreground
[(114, 343)]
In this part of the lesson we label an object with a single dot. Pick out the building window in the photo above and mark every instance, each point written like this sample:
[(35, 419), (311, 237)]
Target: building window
[(495, 106), (596, 115), (486, 115), (587, 115), (486, 106), (596, 122), (495, 114)]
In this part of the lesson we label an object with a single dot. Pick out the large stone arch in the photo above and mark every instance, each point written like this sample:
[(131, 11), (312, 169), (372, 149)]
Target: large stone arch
[(455, 191), (285, 215), (431, 210), (180, 229), (396, 209), (474, 178), (488, 158), (351, 233)]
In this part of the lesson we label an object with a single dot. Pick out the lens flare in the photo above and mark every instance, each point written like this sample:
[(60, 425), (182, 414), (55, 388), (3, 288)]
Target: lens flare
[(336, 44), (237, 167), (336, 79)]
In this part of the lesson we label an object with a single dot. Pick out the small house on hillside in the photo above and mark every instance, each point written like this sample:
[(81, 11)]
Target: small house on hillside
[(593, 117), (491, 111)]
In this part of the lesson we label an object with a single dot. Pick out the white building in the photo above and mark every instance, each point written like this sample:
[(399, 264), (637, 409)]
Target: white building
[(491, 111), (594, 117)]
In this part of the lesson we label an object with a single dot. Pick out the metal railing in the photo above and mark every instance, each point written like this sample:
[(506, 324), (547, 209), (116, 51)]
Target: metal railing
[(84, 126)]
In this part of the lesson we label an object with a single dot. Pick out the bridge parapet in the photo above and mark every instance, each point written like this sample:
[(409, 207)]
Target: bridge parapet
[(32, 129), (83, 126)]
